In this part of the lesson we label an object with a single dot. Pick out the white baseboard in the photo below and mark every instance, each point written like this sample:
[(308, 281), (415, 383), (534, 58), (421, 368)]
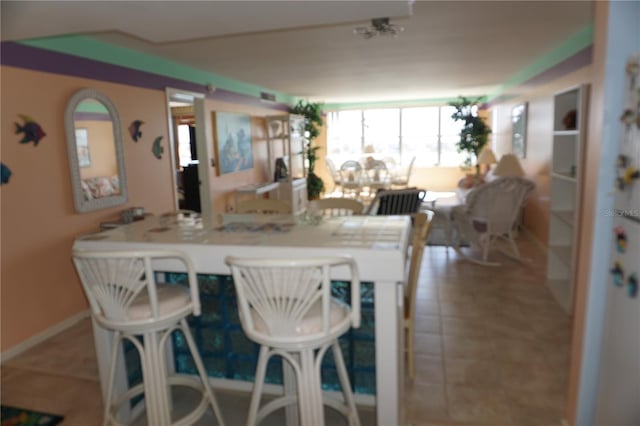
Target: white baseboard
[(42, 336)]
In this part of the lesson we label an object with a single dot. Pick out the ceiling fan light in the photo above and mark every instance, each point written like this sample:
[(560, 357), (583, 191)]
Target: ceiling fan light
[(379, 26)]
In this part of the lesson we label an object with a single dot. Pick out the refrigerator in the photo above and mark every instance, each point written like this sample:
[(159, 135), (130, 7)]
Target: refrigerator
[(618, 395)]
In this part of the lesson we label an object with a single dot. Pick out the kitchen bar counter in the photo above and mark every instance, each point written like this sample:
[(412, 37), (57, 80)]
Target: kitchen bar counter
[(377, 243)]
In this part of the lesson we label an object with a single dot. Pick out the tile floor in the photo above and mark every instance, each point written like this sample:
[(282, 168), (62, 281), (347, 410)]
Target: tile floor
[(492, 349)]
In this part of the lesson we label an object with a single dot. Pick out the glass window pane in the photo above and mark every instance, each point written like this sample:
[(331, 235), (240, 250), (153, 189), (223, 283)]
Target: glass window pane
[(449, 155), (382, 130), (345, 134), (425, 149)]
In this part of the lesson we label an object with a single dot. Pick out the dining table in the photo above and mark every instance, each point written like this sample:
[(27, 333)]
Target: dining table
[(378, 244)]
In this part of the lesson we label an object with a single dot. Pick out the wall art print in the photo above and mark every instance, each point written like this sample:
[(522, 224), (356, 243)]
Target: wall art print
[(232, 141)]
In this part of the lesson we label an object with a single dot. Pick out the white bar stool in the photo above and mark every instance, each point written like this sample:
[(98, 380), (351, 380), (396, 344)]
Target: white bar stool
[(126, 299), (286, 306)]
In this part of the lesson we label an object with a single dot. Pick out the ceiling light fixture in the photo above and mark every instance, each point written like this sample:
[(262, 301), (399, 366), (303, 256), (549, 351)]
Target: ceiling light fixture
[(379, 26)]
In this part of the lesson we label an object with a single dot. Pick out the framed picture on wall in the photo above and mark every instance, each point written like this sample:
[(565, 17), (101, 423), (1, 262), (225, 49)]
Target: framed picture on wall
[(519, 130), (232, 142), (82, 145)]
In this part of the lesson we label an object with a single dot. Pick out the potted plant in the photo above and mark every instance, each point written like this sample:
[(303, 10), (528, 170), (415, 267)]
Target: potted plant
[(313, 119), (475, 132)]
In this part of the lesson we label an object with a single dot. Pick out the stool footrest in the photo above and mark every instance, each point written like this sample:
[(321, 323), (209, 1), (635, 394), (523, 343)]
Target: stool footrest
[(183, 380)]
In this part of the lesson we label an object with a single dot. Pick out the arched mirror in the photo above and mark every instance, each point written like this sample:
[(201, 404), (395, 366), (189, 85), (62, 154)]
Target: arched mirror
[(94, 146)]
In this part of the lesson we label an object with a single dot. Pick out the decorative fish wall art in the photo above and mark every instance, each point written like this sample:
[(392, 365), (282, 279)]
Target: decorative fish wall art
[(5, 174), (32, 132), (157, 148), (134, 130)]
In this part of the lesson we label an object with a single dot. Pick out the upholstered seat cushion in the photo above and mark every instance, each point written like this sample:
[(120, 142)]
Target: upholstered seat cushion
[(311, 323), (170, 298)]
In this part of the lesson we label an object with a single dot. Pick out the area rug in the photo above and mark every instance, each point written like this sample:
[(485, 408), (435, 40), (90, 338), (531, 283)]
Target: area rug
[(14, 416)]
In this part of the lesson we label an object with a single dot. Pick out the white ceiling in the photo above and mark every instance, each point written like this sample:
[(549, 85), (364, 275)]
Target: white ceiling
[(308, 49)]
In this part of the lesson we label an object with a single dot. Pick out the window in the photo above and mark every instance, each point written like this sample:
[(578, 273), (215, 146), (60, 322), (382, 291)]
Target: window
[(427, 133)]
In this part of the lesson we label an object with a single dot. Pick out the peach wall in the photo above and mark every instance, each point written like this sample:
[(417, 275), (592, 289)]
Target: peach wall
[(537, 164), (39, 285)]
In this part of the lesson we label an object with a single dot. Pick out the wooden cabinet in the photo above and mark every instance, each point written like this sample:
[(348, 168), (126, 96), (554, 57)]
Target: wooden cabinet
[(286, 141), (569, 129)]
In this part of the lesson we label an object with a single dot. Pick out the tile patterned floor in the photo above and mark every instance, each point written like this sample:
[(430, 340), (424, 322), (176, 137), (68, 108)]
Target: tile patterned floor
[(492, 348)]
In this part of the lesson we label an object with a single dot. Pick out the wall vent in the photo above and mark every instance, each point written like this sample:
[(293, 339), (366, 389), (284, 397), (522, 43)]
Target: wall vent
[(265, 96)]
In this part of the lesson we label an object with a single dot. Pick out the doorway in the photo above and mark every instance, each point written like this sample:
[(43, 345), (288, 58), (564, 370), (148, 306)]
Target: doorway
[(185, 115)]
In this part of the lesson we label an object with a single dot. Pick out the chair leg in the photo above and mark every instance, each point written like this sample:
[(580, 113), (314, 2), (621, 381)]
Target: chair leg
[(201, 370), (112, 376), (354, 418), (310, 390), (261, 370), (410, 349), (513, 245), (154, 377)]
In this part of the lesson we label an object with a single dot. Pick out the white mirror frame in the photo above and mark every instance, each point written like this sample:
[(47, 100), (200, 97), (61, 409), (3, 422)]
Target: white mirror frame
[(81, 204)]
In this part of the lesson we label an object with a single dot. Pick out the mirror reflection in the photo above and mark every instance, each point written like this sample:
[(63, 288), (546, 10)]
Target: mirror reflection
[(95, 151)]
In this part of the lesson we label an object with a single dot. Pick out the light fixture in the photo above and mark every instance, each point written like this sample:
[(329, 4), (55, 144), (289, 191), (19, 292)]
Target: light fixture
[(379, 26), (508, 166)]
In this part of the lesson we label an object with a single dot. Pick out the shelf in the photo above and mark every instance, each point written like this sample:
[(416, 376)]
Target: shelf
[(565, 132), (564, 176), (564, 254), (567, 216), (568, 131)]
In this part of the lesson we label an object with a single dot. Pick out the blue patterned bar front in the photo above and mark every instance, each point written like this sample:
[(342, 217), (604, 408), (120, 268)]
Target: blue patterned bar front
[(227, 353)]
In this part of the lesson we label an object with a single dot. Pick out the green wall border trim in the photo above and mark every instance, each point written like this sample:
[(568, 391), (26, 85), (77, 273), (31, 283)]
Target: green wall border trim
[(574, 44), (90, 48)]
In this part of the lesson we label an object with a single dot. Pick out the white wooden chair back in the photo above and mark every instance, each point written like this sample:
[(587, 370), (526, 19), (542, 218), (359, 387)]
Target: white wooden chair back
[(334, 172), (378, 176), (288, 301), (351, 176), (336, 206), (263, 206), (123, 292), (493, 207), (401, 179)]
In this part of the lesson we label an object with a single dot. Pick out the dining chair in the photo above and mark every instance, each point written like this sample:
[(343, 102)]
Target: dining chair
[(334, 206), (377, 177), (335, 175), (401, 180), (125, 298), (421, 227), (397, 201), (490, 213), (285, 305), (351, 177), (263, 206)]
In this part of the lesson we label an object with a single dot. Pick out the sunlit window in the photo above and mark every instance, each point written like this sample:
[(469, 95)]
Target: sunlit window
[(426, 133), (184, 145)]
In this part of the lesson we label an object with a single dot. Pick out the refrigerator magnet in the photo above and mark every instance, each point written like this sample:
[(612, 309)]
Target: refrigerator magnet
[(621, 239), (618, 274)]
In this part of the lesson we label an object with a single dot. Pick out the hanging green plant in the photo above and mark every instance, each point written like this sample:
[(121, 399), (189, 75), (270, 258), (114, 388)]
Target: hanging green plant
[(475, 132), (312, 113)]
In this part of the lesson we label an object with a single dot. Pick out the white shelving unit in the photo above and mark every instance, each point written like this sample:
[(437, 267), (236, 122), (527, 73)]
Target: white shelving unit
[(568, 140), (285, 139)]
